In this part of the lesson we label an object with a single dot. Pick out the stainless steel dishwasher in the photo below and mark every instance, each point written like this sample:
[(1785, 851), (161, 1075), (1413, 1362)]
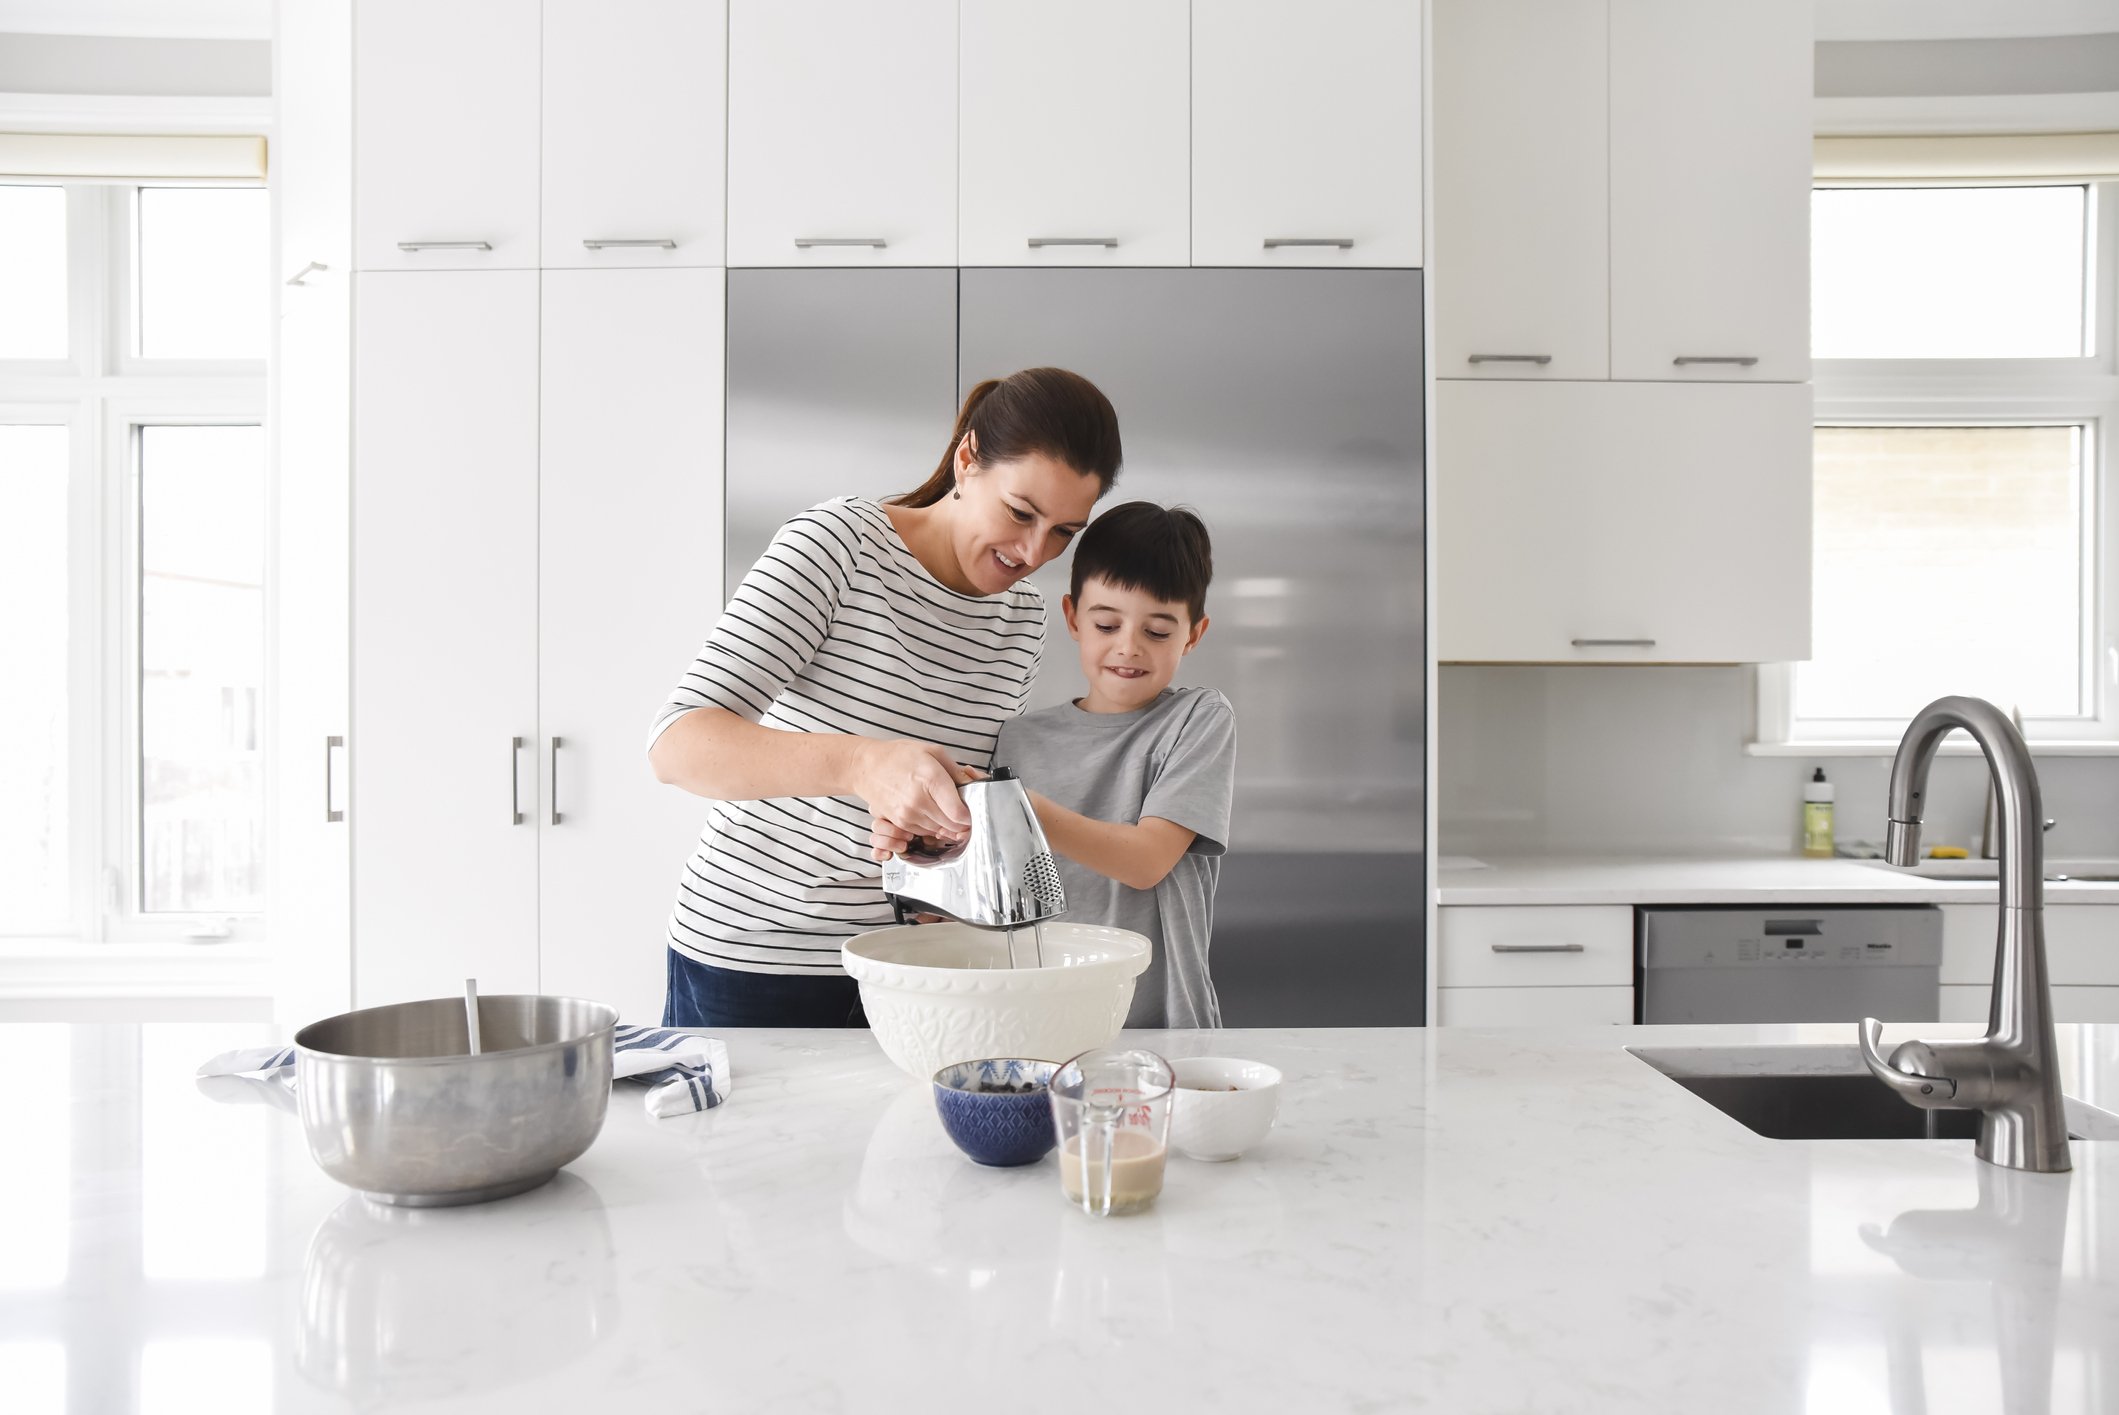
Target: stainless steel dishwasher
[(1743, 964)]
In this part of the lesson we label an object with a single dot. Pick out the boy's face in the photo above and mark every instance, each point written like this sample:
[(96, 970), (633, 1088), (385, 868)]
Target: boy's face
[(1130, 643)]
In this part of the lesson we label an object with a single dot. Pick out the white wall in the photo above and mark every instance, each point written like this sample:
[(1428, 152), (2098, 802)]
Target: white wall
[(1603, 760)]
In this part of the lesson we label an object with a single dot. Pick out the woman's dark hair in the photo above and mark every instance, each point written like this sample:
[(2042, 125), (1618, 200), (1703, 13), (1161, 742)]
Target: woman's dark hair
[(1039, 410), (1162, 551)]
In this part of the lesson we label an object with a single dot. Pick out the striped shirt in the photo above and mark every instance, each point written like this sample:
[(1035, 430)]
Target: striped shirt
[(837, 628)]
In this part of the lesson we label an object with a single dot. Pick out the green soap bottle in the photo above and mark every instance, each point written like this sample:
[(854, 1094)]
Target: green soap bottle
[(1817, 817)]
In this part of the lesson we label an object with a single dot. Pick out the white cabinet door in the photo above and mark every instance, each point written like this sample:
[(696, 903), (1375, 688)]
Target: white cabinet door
[(842, 132), (1969, 1003), (1534, 946), (1074, 146), (309, 423), (444, 634), (2081, 944), (630, 577), (1622, 523), (1533, 1007), (1306, 133), (1710, 190), (1521, 246), (445, 129), (634, 139)]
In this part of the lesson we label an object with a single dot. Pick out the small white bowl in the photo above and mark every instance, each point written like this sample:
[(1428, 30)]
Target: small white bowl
[(1232, 1113)]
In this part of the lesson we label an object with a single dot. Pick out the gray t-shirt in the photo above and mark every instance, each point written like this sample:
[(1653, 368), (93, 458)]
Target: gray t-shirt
[(1174, 759)]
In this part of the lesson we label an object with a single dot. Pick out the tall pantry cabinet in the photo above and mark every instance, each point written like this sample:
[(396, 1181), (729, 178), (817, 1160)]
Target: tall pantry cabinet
[(535, 504)]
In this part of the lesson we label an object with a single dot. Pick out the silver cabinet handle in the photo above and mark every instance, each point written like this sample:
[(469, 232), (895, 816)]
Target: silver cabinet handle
[(1344, 243), (304, 271), (1613, 643), (805, 243), (1510, 359), (552, 785), (1538, 948), (1740, 360), (515, 781), (331, 815), (416, 246), (1040, 242), (652, 243)]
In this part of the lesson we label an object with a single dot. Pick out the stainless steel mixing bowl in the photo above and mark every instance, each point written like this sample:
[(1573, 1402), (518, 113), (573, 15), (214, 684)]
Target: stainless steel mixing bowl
[(395, 1105)]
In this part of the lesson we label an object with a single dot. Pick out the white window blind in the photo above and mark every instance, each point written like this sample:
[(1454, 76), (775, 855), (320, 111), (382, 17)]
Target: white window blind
[(2003, 159), (114, 157)]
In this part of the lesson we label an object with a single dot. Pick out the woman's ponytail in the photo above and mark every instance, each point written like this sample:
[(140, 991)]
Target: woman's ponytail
[(1037, 410), (944, 479)]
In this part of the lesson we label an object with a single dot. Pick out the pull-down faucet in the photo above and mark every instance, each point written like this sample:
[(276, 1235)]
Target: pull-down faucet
[(2009, 1075)]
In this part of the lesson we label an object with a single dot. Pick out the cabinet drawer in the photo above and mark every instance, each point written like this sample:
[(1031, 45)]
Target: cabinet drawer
[(1962, 1003), (1527, 1007), (1536, 946), (2081, 945)]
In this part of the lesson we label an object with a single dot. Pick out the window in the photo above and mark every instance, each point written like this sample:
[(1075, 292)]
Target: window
[(132, 560), (1964, 535), (1950, 272)]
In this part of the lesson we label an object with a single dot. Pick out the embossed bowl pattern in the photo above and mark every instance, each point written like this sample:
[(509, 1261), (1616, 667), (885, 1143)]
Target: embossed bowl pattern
[(936, 994), (997, 1109)]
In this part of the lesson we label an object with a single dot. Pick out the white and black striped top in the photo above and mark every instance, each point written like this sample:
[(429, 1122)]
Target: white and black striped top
[(837, 628)]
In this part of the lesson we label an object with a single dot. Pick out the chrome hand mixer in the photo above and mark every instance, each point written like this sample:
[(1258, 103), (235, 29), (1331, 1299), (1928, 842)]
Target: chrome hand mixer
[(1000, 877)]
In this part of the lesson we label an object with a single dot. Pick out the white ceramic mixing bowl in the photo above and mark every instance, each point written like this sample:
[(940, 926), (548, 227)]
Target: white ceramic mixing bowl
[(937, 994)]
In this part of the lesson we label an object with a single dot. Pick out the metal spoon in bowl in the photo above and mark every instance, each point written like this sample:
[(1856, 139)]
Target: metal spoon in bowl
[(471, 1011)]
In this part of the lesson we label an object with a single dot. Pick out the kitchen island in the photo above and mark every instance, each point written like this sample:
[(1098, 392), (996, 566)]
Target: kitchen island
[(1460, 1220)]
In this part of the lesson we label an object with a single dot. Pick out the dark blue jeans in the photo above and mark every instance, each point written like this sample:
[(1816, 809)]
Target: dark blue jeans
[(701, 995)]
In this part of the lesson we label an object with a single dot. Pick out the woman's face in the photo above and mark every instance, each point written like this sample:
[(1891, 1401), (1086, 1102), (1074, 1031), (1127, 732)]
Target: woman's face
[(1012, 517)]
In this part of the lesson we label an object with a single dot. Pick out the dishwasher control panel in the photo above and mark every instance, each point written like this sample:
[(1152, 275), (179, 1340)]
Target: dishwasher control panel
[(1744, 964), (1797, 938)]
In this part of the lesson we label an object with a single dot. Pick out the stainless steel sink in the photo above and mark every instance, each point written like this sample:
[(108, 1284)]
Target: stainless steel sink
[(1828, 1108), (2056, 871), (1821, 1093)]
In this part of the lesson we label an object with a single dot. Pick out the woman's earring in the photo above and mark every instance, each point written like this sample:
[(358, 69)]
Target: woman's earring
[(956, 496)]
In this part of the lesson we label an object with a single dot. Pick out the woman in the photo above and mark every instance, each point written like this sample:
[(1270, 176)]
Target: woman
[(863, 669)]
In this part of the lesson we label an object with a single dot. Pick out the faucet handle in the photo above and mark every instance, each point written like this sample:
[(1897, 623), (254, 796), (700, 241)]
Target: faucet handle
[(1918, 1088)]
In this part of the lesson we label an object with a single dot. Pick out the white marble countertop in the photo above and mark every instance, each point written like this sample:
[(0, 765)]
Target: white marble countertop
[(1459, 1220), (1770, 880)]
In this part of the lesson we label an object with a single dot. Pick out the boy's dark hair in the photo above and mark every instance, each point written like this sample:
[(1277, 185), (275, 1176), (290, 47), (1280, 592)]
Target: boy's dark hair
[(1163, 551)]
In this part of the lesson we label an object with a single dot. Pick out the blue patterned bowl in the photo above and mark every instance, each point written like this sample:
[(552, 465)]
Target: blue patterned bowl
[(998, 1111)]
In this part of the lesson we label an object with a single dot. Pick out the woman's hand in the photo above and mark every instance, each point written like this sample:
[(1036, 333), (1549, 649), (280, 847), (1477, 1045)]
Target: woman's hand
[(911, 787), (887, 838)]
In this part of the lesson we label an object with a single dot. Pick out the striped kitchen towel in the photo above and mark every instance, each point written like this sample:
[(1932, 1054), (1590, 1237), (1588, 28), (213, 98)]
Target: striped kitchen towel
[(683, 1073)]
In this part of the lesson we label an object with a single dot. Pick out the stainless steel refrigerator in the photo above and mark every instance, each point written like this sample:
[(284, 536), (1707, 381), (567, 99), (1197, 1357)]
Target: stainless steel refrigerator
[(1285, 407)]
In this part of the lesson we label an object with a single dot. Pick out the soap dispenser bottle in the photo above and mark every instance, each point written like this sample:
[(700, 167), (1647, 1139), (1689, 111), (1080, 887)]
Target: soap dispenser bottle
[(1817, 817)]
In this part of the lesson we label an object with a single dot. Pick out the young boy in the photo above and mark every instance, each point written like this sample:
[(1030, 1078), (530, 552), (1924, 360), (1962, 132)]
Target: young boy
[(1131, 781)]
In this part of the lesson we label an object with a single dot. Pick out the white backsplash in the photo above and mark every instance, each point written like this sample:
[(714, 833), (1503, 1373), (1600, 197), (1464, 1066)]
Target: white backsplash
[(1631, 760)]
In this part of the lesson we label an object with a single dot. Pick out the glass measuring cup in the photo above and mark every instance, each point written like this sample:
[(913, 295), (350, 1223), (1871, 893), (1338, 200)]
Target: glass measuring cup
[(1111, 1111)]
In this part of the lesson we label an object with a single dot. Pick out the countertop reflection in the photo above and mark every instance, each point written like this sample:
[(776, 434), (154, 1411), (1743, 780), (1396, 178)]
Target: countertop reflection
[(1469, 1220)]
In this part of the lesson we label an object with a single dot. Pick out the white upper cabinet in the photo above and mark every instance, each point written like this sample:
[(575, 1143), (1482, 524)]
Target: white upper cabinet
[(444, 731), (629, 577), (842, 132), (1074, 143), (1710, 190), (1306, 133), (1523, 287), (1622, 522), (634, 132), (445, 134)]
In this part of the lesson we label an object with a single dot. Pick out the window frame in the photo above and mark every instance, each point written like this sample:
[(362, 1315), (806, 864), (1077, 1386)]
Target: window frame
[(1990, 393), (103, 394)]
